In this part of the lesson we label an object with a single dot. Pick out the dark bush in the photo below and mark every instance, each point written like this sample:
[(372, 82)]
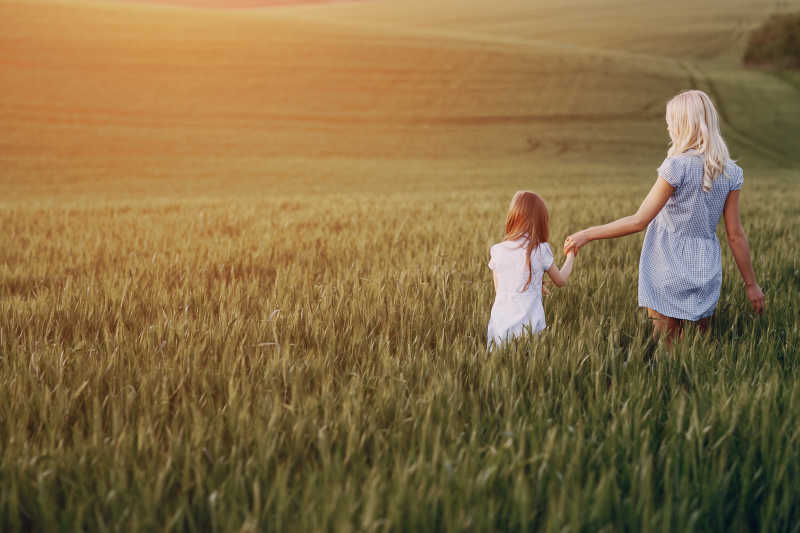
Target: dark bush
[(775, 43)]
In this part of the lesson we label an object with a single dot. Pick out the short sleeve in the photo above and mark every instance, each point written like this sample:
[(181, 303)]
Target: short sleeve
[(737, 178), (492, 263), (671, 170), (546, 255)]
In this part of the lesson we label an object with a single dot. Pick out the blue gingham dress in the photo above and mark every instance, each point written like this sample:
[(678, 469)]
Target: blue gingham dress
[(680, 269)]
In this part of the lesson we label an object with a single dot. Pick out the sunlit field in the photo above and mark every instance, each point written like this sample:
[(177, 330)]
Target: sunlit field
[(243, 280)]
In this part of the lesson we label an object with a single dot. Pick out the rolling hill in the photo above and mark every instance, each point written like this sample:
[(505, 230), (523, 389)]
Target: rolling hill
[(99, 93)]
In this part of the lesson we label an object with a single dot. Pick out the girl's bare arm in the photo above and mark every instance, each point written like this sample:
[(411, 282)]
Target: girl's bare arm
[(737, 240), (561, 275)]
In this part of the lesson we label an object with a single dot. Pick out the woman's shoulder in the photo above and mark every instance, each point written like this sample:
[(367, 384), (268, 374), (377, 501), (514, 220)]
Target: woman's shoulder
[(732, 168), (675, 167), (688, 155), (681, 160), (734, 173)]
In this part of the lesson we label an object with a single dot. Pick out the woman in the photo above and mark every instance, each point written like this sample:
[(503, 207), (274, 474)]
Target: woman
[(680, 269)]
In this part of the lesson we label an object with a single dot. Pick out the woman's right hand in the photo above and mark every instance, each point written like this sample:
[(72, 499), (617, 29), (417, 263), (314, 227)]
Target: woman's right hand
[(756, 297), (574, 242)]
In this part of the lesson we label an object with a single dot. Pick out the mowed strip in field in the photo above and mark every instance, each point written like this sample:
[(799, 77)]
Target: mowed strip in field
[(125, 92)]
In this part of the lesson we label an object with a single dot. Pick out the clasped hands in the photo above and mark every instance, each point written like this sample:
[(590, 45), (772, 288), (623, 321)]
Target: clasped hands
[(574, 242)]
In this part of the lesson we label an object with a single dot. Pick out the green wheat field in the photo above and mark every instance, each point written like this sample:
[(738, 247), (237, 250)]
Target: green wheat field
[(243, 280)]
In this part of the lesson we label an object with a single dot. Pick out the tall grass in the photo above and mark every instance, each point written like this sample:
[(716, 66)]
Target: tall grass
[(317, 362), (243, 279)]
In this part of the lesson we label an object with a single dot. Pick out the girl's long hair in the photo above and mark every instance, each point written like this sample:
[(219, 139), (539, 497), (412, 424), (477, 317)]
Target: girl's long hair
[(528, 218), (694, 125)]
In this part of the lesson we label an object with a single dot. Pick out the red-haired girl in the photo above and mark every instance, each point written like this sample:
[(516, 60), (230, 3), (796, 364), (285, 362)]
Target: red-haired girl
[(518, 265)]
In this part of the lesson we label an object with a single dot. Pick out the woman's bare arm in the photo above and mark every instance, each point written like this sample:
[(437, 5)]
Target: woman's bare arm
[(652, 204), (737, 240)]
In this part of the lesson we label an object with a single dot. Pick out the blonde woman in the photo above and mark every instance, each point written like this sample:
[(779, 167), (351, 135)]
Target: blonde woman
[(680, 270)]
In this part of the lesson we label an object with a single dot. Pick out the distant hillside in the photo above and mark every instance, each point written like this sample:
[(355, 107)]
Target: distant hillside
[(775, 43), (123, 92)]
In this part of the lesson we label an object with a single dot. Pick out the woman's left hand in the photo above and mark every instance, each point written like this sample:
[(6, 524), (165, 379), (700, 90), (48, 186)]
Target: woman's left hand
[(575, 241)]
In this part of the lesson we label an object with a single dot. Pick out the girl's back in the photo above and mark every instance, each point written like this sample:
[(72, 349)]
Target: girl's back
[(517, 307), (518, 264), (508, 262)]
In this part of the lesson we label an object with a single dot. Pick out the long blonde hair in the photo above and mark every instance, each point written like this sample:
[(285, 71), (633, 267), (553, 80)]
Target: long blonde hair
[(694, 125), (528, 217)]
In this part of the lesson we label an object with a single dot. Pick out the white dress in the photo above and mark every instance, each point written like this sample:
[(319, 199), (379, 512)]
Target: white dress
[(515, 311)]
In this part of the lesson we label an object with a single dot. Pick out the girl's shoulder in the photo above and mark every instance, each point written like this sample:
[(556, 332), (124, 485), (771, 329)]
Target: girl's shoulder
[(516, 250), (507, 246), (499, 245), (502, 253), (519, 244), (545, 255)]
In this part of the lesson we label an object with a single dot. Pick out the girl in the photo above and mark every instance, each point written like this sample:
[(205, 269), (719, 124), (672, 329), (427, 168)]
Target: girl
[(680, 272), (518, 265)]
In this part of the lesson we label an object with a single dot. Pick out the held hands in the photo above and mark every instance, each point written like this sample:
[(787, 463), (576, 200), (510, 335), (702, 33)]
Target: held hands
[(756, 297), (574, 242)]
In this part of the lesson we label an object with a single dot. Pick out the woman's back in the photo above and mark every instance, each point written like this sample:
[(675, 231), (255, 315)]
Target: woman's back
[(692, 211), (680, 269)]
